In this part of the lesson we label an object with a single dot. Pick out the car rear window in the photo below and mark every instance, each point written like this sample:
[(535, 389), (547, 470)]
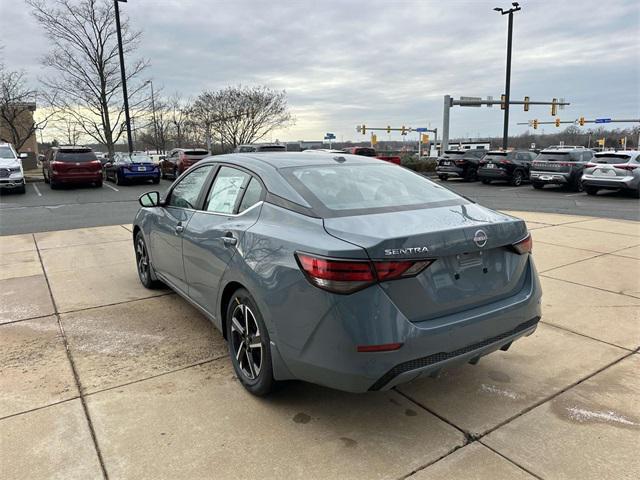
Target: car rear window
[(612, 158), (67, 155), (365, 152), (369, 187), (138, 159), (554, 157), (196, 152), (272, 148)]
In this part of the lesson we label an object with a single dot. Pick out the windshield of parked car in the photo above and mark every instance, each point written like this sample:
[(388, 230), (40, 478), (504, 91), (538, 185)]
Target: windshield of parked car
[(67, 155), (6, 152), (612, 158), (364, 186)]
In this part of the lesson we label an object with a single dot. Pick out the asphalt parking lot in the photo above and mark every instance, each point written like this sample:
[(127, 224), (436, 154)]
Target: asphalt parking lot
[(101, 378), (42, 209)]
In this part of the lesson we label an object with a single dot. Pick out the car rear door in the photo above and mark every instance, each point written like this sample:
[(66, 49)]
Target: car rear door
[(214, 234), (166, 237)]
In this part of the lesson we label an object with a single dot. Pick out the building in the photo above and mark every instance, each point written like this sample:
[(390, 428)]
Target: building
[(21, 115)]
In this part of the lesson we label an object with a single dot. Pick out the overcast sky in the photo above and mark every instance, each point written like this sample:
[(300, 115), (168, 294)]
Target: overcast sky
[(381, 62)]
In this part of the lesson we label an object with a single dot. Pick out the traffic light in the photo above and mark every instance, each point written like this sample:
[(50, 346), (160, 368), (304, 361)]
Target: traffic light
[(526, 104), (535, 123), (364, 129), (581, 121), (425, 138), (404, 130), (388, 128), (503, 102), (557, 122), (554, 107), (374, 139)]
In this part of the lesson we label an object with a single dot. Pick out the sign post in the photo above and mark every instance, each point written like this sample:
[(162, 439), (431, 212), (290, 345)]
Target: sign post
[(329, 136)]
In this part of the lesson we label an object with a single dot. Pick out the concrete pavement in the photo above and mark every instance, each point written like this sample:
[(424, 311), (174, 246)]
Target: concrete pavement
[(100, 377)]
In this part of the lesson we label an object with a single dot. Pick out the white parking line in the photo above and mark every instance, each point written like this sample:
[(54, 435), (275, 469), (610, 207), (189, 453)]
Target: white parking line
[(510, 188), (111, 187), (574, 194), (35, 187)]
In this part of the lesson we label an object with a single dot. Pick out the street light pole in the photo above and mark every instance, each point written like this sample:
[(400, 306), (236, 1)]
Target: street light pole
[(124, 76), (507, 88)]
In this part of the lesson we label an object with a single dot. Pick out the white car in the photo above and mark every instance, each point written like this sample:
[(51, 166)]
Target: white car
[(11, 173)]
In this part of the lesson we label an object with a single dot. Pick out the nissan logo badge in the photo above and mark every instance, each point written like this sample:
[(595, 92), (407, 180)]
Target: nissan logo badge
[(480, 237)]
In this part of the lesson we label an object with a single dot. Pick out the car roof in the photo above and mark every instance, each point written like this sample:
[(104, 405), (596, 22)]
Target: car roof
[(565, 149)]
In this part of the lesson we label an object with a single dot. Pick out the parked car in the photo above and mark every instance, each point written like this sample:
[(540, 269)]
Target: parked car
[(351, 273), (560, 166), (71, 164), (613, 171), (511, 166), (125, 168), (324, 150), (179, 159), (11, 172), (264, 147), (460, 163), (371, 152)]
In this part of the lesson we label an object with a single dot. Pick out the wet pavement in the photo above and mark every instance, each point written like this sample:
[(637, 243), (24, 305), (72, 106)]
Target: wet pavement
[(101, 378)]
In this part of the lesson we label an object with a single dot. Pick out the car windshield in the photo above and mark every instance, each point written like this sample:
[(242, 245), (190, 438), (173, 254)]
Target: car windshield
[(6, 152), (612, 158), (368, 186), (68, 155)]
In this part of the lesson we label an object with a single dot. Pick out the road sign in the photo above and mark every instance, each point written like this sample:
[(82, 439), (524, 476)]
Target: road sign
[(329, 136), (421, 129), (603, 120), (470, 101)]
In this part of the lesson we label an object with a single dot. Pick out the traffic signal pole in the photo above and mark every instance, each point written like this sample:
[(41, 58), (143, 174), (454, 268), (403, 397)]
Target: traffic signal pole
[(507, 88)]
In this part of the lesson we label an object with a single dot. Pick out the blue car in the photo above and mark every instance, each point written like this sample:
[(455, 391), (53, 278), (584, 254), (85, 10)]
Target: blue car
[(341, 270), (125, 168)]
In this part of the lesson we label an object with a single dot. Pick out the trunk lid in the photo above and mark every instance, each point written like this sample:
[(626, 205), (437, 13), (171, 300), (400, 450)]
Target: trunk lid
[(474, 263), (560, 162)]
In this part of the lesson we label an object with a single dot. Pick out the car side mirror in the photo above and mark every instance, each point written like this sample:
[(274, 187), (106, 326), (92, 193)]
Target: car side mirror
[(23, 155), (150, 199)]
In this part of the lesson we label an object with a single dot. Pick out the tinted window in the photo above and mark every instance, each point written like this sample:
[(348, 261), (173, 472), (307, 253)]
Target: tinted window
[(365, 152), (6, 152), (553, 157), (371, 186), (75, 156), (226, 190), (196, 152), (185, 194), (251, 196), (586, 156), (612, 158), (246, 149), (272, 148)]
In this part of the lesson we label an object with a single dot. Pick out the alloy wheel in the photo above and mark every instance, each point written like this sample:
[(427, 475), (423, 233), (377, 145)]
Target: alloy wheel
[(246, 341), (142, 260)]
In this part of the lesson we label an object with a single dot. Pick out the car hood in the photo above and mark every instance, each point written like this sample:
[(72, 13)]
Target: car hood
[(9, 162)]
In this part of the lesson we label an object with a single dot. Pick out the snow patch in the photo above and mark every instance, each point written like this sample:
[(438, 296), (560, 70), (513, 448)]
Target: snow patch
[(584, 415), (499, 391)]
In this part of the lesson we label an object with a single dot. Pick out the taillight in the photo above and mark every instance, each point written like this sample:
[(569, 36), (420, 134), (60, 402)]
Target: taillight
[(460, 162), (626, 167), (524, 246), (504, 162), (348, 276)]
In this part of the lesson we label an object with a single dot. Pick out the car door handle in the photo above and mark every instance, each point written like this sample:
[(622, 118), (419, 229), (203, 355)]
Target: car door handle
[(229, 240)]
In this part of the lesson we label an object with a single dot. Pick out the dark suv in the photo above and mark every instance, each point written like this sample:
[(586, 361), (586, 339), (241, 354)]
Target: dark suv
[(71, 164), (179, 159), (560, 166), (512, 166), (460, 163)]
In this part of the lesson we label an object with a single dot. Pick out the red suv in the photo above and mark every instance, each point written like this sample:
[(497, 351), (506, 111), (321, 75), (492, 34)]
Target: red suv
[(71, 164), (179, 159)]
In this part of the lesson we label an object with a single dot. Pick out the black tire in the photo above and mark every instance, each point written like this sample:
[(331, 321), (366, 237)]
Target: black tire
[(119, 179), (143, 264), (517, 178), (98, 184), (538, 185), (156, 180), (44, 175), (53, 184), (577, 186), (591, 190), (22, 189), (470, 175), (244, 325), (486, 181), (444, 178)]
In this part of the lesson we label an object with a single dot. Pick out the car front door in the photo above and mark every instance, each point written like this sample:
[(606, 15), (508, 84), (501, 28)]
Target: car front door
[(214, 234), (166, 236)]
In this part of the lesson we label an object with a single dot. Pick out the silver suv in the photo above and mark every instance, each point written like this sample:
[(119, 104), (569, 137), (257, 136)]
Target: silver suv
[(560, 166), (11, 173)]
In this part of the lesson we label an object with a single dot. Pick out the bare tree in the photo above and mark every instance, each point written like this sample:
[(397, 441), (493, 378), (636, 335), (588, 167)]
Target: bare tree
[(241, 114), (178, 117), (86, 83), (17, 104)]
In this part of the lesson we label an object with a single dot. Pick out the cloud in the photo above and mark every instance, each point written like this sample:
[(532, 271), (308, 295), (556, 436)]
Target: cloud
[(381, 62)]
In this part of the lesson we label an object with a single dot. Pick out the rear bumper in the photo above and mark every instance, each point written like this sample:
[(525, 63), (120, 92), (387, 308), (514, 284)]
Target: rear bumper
[(129, 175), (78, 177), (626, 182), (550, 177), (450, 170), (493, 173), (330, 356)]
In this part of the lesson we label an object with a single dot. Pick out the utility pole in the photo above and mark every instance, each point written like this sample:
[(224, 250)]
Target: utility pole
[(507, 88), (445, 125), (123, 75), (153, 115)]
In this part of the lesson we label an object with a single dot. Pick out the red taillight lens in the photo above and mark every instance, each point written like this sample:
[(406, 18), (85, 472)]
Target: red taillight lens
[(504, 162), (386, 347), (626, 167), (524, 246), (348, 276), (460, 162)]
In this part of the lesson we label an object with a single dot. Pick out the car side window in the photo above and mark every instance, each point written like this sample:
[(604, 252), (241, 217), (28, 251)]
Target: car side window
[(185, 194), (586, 156), (226, 190), (252, 195)]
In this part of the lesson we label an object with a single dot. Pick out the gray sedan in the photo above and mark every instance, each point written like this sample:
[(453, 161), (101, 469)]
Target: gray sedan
[(341, 270), (616, 170)]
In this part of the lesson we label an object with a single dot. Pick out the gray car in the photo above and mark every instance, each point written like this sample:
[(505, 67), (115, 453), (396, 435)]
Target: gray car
[(340, 270), (613, 171)]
